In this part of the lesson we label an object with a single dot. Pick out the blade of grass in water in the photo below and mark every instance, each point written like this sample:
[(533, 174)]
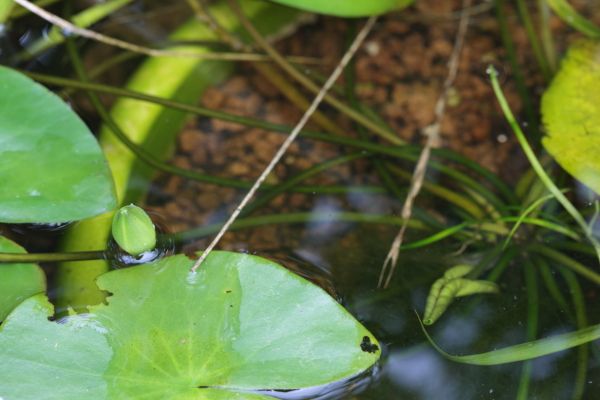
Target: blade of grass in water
[(531, 281), (581, 318), (565, 260), (524, 351), (568, 14), (533, 160), (408, 152)]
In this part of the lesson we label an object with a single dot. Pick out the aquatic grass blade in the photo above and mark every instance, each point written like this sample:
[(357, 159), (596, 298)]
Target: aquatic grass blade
[(524, 351), (536, 165), (568, 14)]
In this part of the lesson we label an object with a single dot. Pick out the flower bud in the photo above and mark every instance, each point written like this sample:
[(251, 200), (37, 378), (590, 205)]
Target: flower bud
[(133, 230)]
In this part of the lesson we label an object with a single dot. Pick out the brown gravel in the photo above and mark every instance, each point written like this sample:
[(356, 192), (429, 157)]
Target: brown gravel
[(399, 74)]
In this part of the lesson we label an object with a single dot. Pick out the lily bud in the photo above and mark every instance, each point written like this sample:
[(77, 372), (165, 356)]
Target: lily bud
[(133, 230)]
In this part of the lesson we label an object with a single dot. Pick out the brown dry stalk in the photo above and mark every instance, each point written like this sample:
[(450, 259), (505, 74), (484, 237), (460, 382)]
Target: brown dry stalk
[(306, 82), (292, 136), (432, 132), (69, 28), (287, 88)]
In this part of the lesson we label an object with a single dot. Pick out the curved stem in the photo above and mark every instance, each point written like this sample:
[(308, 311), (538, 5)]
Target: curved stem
[(50, 257), (306, 82), (565, 260), (295, 218), (405, 152), (537, 166), (293, 181)]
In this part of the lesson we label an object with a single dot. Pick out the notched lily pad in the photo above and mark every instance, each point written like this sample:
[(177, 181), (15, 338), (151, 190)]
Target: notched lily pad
[(18, 281), (51, 167), (239, 325), (571, 113)]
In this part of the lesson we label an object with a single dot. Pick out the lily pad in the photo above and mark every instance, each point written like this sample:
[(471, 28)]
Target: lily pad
[(17, 281), (237, 327), (51, 167), (346, 8), (571, 113)]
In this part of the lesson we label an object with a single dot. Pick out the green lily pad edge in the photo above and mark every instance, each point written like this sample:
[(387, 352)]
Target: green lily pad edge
[(571, 113), (52, 168), (18, 281), (237, 328)]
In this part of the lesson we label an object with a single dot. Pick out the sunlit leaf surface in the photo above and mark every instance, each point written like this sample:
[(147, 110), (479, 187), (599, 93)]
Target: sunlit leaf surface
[(571, 113), (241, 323), (345, 8), (51, 167)]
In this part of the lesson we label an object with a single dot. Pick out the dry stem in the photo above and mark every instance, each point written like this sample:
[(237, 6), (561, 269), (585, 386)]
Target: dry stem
[(289, 140), (432, 132), (69, 28)]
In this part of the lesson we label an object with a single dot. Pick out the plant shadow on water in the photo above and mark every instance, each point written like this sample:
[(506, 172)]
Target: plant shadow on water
[(330, 211)]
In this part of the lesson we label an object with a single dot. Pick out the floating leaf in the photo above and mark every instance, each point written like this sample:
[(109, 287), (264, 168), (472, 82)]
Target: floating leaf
[(451, 285), (51, 167), (571, 113), (347, 8), (17, 281), (239, 324)]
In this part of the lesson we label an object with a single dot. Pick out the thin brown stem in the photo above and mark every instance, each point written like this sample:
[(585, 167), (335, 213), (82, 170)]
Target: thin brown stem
[(432, 132), (70, 28), (309, 84), (290, 139)]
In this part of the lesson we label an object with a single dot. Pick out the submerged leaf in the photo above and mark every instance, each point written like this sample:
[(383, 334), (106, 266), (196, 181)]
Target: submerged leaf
[(451, 285), (571, 113), (17, 281), (241, 323), (51, 167)]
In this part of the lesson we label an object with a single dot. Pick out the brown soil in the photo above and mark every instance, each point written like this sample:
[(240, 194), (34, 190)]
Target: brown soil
[(399, 74)]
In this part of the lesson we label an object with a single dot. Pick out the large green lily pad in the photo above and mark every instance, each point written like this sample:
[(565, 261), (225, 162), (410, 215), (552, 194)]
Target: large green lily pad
[(571, 113), (17, 281), (51, 167), (240, 324), (347, 8)]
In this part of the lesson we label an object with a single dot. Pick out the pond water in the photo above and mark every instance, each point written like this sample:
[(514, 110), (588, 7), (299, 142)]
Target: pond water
[(335, 226)]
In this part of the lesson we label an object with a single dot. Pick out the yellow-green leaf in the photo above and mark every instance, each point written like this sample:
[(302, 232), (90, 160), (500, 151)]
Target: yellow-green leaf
[(347, 8), (452, 285), (571, 113)]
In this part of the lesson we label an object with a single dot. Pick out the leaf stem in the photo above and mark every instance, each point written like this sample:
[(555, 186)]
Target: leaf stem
[(51, 257)]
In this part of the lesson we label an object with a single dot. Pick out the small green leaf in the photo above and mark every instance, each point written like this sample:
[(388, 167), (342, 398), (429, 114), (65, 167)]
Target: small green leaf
[(451, 285), (133, 230), (17, 281), (571, 113), (347, 8), (239, 324), (51, 167)]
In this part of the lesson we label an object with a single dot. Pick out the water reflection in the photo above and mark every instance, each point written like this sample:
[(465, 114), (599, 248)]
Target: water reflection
[(421, 370)]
